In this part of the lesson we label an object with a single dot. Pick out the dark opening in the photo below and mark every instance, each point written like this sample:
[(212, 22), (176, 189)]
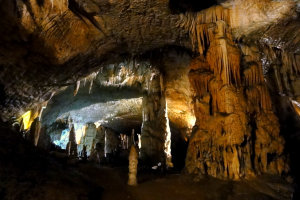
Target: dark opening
[(179, 6), (178, 148)]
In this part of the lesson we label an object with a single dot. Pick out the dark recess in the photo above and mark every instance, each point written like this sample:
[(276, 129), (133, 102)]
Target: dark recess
[(180, 6)]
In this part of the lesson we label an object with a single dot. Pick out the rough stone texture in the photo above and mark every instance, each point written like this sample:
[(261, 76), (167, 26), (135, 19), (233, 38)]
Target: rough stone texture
[(154, 128), (236, 133), (55, 49), (89, 138), (46, 45), (133, 163), (72, 145)]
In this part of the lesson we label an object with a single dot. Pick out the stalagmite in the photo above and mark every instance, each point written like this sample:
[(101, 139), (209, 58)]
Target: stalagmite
[(133, 163), (72, 145), (35, 131)]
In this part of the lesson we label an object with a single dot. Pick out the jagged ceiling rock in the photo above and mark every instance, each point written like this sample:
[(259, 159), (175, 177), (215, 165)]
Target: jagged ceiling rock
[(113, 96), (111, 107), (48, 44)]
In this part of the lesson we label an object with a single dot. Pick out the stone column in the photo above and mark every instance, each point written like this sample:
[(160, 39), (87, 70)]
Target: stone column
[(72, 145), (88, 139), (155, 135), (133, 163)]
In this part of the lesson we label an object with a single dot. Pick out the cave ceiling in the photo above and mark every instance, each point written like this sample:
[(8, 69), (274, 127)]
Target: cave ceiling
[(47, 45)]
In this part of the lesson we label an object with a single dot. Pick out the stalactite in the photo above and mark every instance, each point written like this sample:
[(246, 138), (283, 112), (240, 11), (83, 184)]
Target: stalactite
[(91, 86), (224, 61), (200, 83), (253, 75), (214, 90), (291, 62), (259, 96), (91, 78), (76, 88), (265, 100), (201, 33)]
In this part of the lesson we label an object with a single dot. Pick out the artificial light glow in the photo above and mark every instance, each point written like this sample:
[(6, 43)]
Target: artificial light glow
[(168, 139), (79, 132), (26, 119), (296, 106), (64, 139), (191, 121)]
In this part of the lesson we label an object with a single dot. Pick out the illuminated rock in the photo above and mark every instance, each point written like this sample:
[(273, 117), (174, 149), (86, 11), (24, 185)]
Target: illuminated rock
[(133, 163), (236, 133)]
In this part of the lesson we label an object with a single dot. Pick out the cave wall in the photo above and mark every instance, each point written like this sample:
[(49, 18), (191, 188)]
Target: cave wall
[(236, 133)]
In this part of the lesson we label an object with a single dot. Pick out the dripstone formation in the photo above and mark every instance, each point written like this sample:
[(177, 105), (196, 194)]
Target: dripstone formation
[(236, 133)]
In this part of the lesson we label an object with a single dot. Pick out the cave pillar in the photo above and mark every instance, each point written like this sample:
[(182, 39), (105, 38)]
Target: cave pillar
[(72, 145), (88, 139), (155, 135)]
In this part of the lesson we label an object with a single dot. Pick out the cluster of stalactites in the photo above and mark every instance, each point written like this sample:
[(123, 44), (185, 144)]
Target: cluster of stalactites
[(253, 75), (291, 62), (224, 61), (210, 34), (200, 27), (253, 79), (259, 96), (28, 117), (89, 78)]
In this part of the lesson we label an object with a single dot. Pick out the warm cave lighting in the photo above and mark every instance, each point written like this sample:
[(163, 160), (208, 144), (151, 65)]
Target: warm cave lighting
[(79, 132), (296, 106), (149, 99), (191, 121), (26, 119)]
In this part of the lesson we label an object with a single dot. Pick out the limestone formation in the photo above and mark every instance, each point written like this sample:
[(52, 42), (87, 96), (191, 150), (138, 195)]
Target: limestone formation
[(34, 133), (89, 138), (236, 133), (155, 136), (111, 142), (72, 145), (133, 163), (237, 68)]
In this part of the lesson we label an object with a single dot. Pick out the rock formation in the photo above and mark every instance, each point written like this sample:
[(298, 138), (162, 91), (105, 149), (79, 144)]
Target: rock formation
[(236, 133), (88, 139), (133, 163), (155, 135), (223, 95), (34, 133), (72, 145)]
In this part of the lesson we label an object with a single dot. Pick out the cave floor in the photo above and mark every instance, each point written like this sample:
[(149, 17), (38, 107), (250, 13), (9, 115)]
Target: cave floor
[(175, 186), (30, 173)]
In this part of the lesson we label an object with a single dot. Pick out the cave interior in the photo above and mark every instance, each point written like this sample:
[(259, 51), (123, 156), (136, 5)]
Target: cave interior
[(149, 99)]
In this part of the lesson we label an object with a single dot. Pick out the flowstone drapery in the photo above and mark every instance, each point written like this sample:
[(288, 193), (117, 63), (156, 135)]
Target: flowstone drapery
[(236, 133)]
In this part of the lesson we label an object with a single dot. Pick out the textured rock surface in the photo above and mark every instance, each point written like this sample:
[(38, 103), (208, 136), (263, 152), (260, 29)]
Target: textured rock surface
[(243, 49), (236, 133)]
